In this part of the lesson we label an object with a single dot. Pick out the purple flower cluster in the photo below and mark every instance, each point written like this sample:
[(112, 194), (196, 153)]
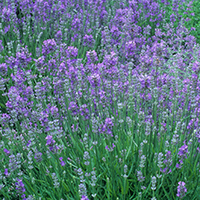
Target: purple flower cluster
[(106, 128), (84, 197), (71, 52), (50, 142), (1, 46), (167, 162), (58, 37), (6, 12), (62, 162), (38, 156), (73, 107), (111, 148), (91, 57), (23, 57), (88, 41), (48, 47), (182, 155), (3, 69), (20, 188), (181, 190)]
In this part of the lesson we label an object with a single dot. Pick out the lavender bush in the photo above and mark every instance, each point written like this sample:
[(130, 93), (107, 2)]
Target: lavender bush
[(191, 15), (99, 100)]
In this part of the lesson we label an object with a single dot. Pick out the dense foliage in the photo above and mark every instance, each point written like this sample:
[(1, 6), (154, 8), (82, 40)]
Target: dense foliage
[(99, 99)]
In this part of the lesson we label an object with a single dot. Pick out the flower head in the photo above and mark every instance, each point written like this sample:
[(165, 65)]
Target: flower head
[(181, 190)]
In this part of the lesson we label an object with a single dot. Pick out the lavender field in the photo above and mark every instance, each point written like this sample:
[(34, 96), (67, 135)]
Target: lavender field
[(99, 100)]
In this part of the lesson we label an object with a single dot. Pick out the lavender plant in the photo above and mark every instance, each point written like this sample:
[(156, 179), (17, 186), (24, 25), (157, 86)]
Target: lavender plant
[(99, 100), (191, 16)]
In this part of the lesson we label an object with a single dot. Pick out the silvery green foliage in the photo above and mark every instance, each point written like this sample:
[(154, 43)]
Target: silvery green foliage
[(55, 180), (153, 183), (125, 171), (160, 160), (142, 162), (82, 187), (93, 178), (95, 93)]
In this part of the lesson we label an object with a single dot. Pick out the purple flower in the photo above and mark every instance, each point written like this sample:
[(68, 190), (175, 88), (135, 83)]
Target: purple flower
[(73, 128), (54, 112), (84, 197), (145, 81), (49, 140), (62, 162), (12, 163), (39, 63), (95, 80), (23, 57), (72, 74), (76, 25), (50, 143), (88, 41), (20, 186), (111, 148), (5, 117), (109, 123), (181, 190), (62, 68), (48, 46), (73, 108), (6, 12), (91, 57), (3, 69), (6, 172), (61, 158), (58, 36), (106, 128), (130, 48), (110, 60), (167, 162), (1, 46), (183, 150), (38, 156), (23, 197), (6, 151), (52, 64), (140, 176), (54, 149), (72, 52), (115, 32), (29, 142), (196, 66), (172, 17), (82, 188), (84, 111), (165, 170)]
